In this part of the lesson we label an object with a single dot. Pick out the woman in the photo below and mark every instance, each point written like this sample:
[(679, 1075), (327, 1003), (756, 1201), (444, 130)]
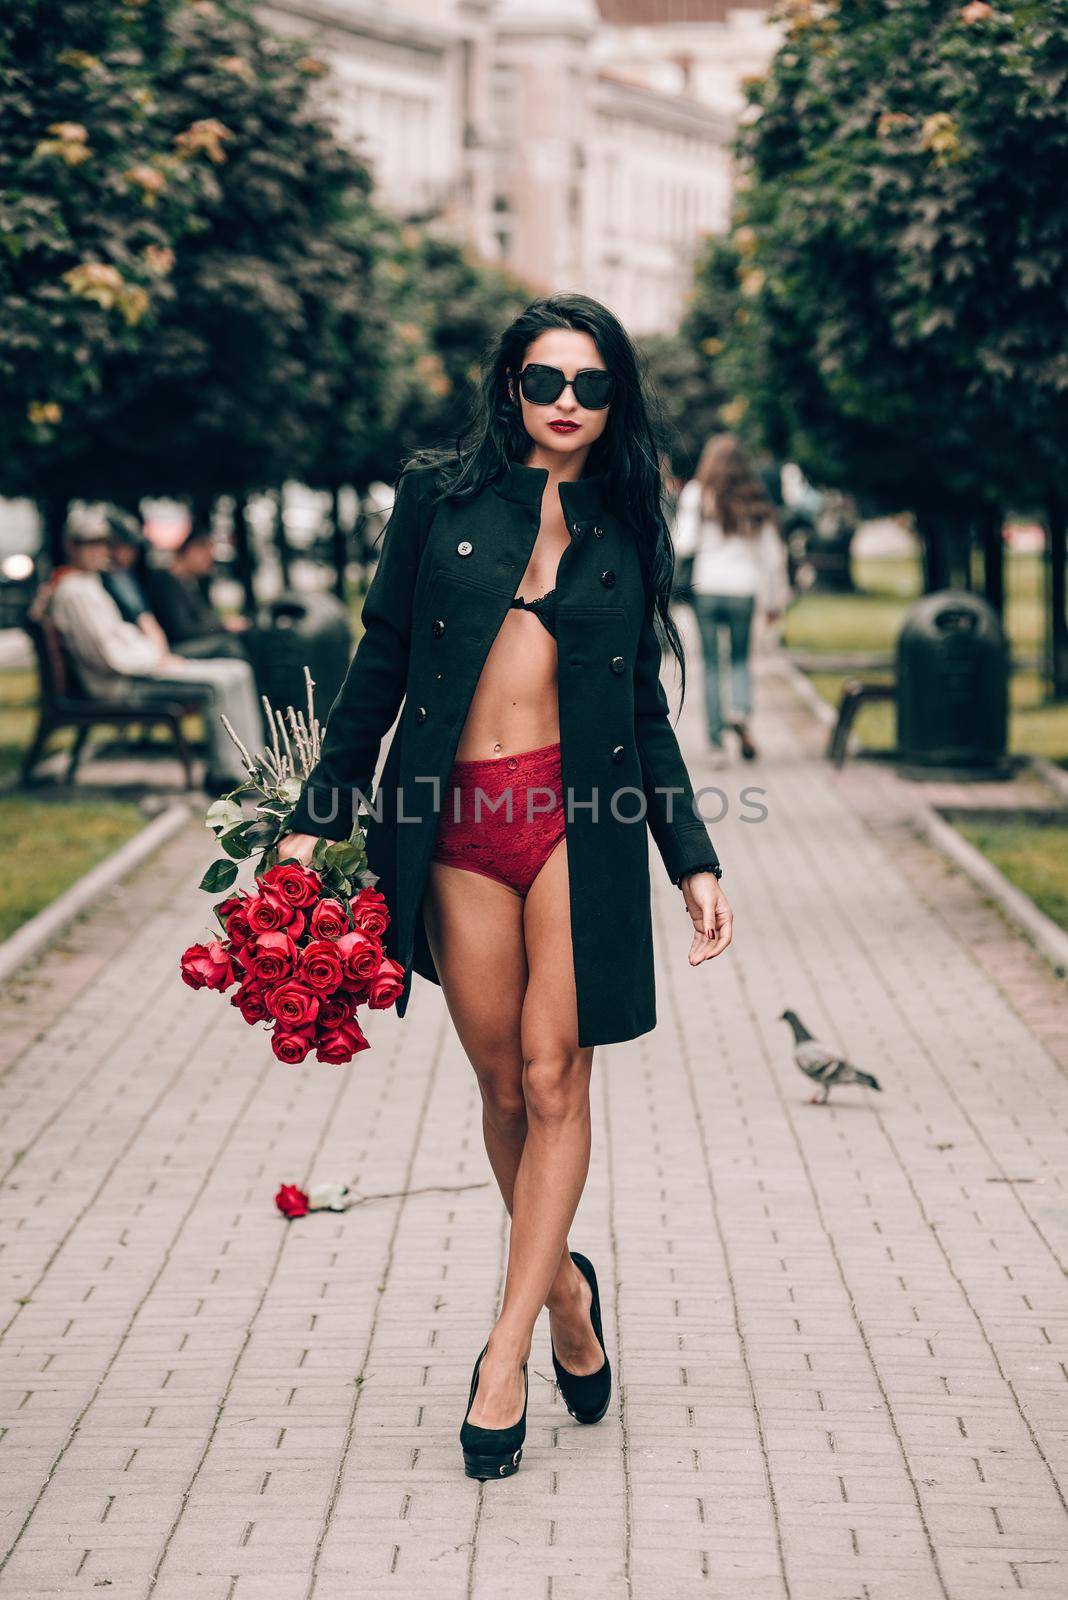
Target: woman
[(513, 605), (726, 524)]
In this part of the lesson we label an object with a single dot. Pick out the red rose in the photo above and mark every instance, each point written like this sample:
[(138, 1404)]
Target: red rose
[(297, 885), (291, 1045), (361, 955), (208, 966), (270, 957), (237, 929), (335, 1010), (291, 1201), (342, 1044), (370, 912), (250, 1001), (320, 966), (292, 1004), (226, 908), (386, 985), (329, 920), (266, 912)]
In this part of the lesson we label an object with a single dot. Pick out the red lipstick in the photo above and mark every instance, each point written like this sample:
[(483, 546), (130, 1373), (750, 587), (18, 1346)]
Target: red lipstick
[(564, 427)]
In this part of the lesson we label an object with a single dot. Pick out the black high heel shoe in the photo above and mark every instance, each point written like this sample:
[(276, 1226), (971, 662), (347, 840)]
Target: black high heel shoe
[(493, 1452), (586, 1396)]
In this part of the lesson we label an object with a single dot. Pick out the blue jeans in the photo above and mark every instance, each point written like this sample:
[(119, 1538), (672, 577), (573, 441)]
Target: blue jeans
[(735, 613)]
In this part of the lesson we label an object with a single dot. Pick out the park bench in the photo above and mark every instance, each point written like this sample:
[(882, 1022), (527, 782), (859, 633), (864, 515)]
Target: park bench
[(855, 693), (64, 703)]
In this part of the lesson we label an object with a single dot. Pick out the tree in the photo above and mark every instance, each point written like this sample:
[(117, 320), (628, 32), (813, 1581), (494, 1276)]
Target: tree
[(901, 235), (265, 352), (446, 306), (95, 202), (271, 336), (684, 382)]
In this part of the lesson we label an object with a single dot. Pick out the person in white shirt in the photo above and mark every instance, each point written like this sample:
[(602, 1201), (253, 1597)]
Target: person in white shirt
[(118, 660), (727, 524)]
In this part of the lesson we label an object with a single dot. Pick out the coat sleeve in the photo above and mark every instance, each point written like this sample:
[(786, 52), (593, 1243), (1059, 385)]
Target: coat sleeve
[(678, 831), (374, 685)]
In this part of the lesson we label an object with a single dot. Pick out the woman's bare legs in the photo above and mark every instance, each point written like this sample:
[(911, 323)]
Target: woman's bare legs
[(516, 1020)]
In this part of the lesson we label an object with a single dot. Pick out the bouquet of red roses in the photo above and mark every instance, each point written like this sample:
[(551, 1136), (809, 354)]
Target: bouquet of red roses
[(303, 950)]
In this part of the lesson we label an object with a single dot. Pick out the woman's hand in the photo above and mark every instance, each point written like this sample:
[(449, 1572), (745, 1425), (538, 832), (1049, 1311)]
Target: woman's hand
[(712, 918), (297, 846)]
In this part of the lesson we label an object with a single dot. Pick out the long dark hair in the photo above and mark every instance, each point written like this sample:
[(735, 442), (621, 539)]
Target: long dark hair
[(730, 487), (628, 451)]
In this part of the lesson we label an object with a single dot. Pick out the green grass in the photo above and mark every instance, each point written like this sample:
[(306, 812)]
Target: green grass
[(1034, 858), (868, 622), (18, 718), (49, 844)]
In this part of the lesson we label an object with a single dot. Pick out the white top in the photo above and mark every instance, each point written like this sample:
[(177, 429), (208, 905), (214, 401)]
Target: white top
[(731, 563), (106, 648)]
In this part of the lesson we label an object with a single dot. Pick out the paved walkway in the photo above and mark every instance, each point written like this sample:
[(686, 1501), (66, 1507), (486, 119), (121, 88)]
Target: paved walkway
[(841, 1333)]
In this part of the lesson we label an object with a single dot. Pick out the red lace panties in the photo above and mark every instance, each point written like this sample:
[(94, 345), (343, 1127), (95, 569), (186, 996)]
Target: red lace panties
[(477, 830)]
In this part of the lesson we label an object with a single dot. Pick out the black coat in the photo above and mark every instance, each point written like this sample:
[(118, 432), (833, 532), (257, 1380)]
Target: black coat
[(444, 582)]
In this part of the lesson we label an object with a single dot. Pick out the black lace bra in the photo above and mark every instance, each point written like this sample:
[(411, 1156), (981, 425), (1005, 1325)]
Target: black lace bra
[(544, 608)]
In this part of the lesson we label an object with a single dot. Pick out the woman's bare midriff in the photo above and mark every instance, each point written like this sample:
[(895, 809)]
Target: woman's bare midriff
[(514, 706)]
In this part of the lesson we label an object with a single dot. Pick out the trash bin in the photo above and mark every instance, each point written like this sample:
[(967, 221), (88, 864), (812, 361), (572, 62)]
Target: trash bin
[(952, 682), (295, 631)]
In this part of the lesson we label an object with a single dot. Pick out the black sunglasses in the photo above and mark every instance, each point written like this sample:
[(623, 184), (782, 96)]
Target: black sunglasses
[(593, 387)]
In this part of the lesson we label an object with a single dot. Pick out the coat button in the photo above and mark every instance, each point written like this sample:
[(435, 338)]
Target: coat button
[(437, 628), (617, 664), (464, 548), (578, 530), (618, 753), (420, 713), (608, 578), (597, 531)]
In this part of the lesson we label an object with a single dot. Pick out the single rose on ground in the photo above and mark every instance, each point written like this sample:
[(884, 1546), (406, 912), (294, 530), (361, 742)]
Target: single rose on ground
[(291, 1201)]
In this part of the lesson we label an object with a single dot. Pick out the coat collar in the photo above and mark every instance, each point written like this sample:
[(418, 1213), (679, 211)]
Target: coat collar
[(526, 485)]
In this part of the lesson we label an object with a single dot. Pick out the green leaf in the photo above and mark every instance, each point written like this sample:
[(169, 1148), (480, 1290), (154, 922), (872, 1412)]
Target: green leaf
[(261, 835), (220, 875), (234, 843), (342, 856), (223, 814)]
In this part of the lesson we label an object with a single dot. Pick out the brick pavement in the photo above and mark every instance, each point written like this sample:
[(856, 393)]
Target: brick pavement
[(841, 1335)]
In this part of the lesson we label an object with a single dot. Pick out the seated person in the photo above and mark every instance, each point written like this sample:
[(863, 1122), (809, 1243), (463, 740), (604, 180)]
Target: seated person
[(179, 598), (117, 659), (126, 577)]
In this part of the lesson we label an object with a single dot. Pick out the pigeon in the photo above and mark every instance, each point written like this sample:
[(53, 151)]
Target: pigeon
[(822, 1064)]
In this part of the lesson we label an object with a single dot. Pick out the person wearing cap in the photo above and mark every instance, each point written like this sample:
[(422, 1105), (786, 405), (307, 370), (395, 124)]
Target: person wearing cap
[(117, 659)]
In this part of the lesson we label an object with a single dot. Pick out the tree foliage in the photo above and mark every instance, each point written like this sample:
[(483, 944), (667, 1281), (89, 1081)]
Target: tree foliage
[(197, 292), (901, 243), (445, 307), (94, 199)]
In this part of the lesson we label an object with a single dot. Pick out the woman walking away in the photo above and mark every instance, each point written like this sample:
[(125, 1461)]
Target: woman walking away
[(514, 611), (726, 522)]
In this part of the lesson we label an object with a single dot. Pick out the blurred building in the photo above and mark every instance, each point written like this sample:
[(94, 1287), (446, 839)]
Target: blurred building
[(582, 145)]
